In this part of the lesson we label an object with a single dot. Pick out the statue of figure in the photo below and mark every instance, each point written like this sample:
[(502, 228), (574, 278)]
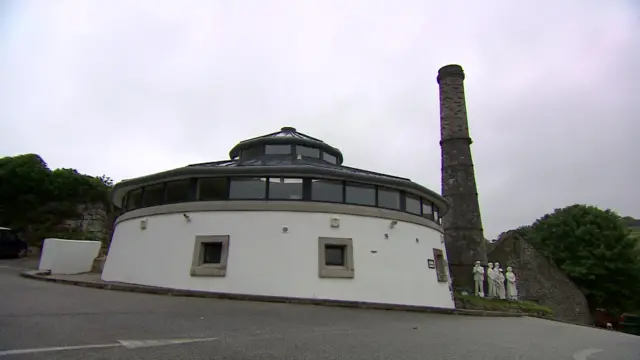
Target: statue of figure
[(496, 283), (500, 288), (512, 291), (478, 277), (491, 280)]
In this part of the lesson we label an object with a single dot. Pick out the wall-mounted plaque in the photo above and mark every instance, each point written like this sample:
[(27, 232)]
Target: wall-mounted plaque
[(432, 263)]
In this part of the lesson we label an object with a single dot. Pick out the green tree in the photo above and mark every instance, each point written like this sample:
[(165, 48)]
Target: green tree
[(34, 200), (593, 247)]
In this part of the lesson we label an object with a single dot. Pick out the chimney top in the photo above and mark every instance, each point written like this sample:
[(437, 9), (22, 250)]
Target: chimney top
[(452, 70)]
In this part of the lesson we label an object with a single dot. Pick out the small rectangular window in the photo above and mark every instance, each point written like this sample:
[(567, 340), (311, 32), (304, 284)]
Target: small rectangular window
[(134, 199), (360, 194), (441, 266), (178, 191), (252, 153), (212, 189), (248, 188), (329, 158), (412, 204), (285, 189), (427, 209), (307, 152), (389, 198), (335, 258), (277, 149), (153, 195), (436, 214), (212, 253), (326, 190), (334, 255)]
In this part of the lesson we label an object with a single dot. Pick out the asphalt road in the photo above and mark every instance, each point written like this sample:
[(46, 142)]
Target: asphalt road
[(69, 322)]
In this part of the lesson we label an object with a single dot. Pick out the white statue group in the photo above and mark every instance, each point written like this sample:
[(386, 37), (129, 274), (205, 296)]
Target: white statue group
[(495, 282)]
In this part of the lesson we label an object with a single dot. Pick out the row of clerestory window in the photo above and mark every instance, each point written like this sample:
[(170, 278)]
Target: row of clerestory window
[(279, 188), (293, 150)]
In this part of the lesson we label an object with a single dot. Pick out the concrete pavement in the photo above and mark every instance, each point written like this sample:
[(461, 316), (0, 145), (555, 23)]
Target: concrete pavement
[(65, 319)]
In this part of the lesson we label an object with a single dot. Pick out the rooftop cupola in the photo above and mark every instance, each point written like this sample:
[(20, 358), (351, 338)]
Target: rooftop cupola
[(286, 142)]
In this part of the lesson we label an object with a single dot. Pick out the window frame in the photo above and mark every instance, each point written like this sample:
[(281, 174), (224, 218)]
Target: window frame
[(334, 159), (139, 205), (166, 191), (388, 189), (332, 271), (278, 146), (162, 185), (332, 181), (424, 202), (348, 184), (226, 188), (302, 187), (414, 197), (297, 154), (441, 265), (199, 267), (264, 179)]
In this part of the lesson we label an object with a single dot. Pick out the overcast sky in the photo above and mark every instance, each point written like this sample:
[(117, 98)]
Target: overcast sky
[(127, 88)]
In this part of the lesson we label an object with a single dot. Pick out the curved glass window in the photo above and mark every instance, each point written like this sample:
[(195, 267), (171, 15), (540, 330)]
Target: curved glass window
[(247, 188), (280, 188), (307, 151), (427, 209), (285, 189), (360, 194), (153, 195), (211, 189), (389, 198), (329, 158), (178, 191), (326, 190), (277, 149), (252, 153), (134, 199), (412, 204)]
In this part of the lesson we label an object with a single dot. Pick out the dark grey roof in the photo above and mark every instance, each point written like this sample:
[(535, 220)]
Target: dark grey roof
[(287, 160), (282, 166), (286, 132)]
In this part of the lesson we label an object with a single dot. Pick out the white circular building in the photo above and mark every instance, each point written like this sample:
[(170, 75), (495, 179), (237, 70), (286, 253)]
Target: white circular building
[(285, 219)]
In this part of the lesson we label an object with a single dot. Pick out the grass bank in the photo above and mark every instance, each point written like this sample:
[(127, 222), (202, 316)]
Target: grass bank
[(471, 302)]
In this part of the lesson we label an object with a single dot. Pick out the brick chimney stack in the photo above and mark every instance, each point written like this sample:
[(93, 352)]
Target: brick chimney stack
[(463, 233)]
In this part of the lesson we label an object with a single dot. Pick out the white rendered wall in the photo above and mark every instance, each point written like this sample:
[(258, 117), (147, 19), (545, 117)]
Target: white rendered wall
[(265, 261), (68, 256)]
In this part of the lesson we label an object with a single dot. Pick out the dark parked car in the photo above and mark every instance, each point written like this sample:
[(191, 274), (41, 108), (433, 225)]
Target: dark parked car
[(630, 324), (11, 245)]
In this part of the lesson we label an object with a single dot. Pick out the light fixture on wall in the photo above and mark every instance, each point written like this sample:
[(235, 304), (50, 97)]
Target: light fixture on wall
[(143, 224), (285, 229), (386, 236), (187, 217), (393, 224), (335, 222)]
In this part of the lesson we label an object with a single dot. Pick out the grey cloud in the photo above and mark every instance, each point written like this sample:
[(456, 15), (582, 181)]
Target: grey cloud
[(129, 88)]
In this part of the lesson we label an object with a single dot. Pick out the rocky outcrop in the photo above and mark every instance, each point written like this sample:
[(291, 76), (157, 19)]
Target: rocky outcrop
[(91, 220), (539, 279)]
